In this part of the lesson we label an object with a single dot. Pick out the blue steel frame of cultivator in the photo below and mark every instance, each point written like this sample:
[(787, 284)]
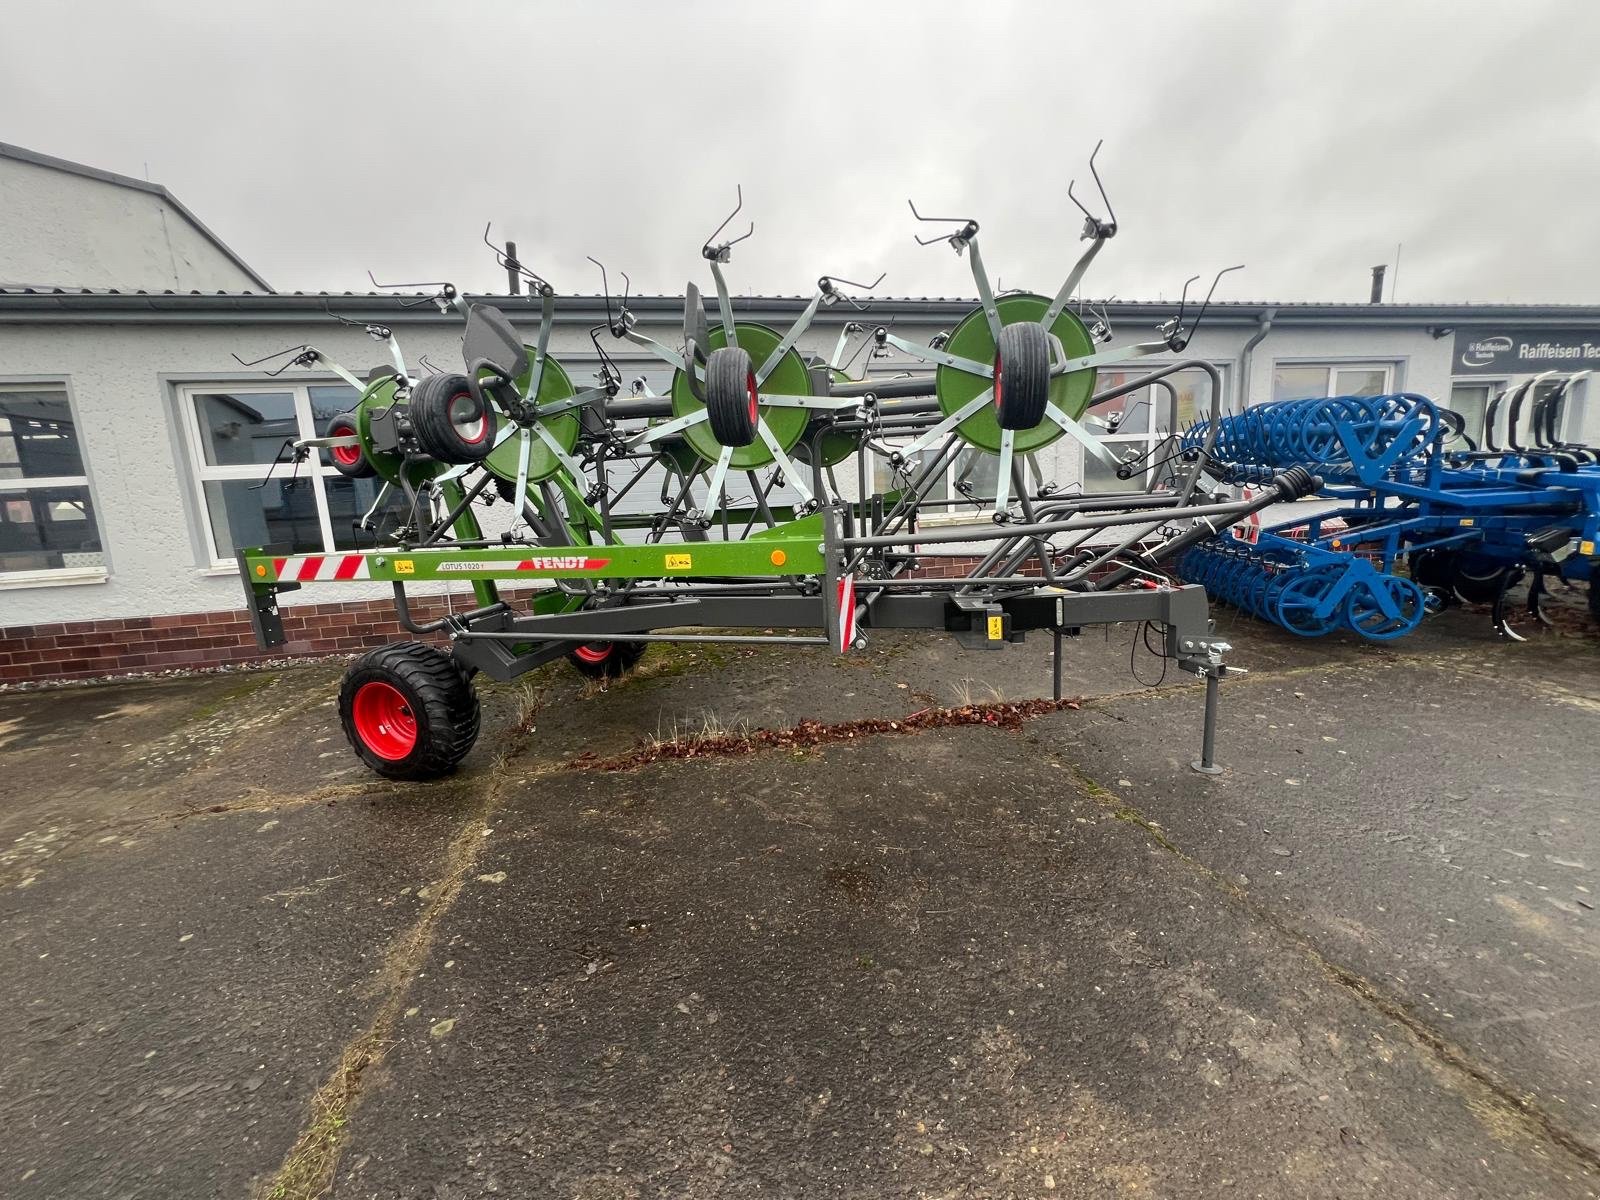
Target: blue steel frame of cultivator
[(1469, 523)]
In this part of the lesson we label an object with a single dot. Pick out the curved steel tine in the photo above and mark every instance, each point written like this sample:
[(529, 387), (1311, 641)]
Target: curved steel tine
[(611, 374), (870, 339), (968, 231), (827, 282), (1206, 304), (443, 289), (711, 249), (427, 283), (920, 217), (505, 260), (373, 329), (852, 283), (1111, 214), (618, 325), (1183, 302), (301, 354), (1093, 226)]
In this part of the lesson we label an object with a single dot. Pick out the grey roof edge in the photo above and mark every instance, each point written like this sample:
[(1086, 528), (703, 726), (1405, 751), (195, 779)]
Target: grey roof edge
[(283, 307), (38, 159)]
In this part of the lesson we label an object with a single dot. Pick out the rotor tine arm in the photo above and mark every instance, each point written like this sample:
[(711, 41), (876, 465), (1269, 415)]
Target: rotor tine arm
[(1090, 443), (980, 276), (724, 304), (524, 452), (719, 475), (565, 459), (1073, 280), (668, 429), (790, 338), (976, 404), (791, 472), (340, 371), (1002, 487)]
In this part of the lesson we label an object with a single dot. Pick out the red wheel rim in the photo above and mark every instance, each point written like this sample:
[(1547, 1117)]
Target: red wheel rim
[(593, 652), (473, 429), (997, 383), (751, 394), (347, 455), (384, 721)]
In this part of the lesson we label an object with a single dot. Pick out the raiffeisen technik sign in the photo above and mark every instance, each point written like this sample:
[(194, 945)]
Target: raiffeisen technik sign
[(1526, 351)]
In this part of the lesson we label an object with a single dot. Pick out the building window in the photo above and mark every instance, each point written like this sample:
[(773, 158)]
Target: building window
[(1300, 381), (234, 436), (1141, 421), (47, 519), (1471, 400), (970, 479)]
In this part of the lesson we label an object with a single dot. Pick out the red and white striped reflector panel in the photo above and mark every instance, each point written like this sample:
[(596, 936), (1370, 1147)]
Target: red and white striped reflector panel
[(847, 612), (311, 568)]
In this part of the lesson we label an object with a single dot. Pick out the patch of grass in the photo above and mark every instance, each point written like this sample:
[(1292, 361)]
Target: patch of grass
[(709, 726), (308, 1169), (239, 691), (529, 705), (665, 660), (969, 692)]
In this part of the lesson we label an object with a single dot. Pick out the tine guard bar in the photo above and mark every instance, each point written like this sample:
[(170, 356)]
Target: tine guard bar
[(1292, 484)]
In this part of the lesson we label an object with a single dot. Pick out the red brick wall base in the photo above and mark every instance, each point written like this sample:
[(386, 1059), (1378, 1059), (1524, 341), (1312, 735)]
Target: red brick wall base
[(89, 649)]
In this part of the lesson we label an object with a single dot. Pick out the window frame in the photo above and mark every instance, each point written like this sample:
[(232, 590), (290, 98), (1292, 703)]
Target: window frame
[(1391, 368), (1492, 386), (1151, 437), (201, 472), (59, 575)]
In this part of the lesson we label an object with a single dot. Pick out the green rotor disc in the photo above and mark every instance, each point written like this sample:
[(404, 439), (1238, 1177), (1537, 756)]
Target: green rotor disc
[(836, 447), (971, 339), (563, 428), (387, 463), (790, 378)]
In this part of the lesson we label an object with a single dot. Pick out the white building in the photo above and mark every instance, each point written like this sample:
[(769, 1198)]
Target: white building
[(132, 443), (65, 223)]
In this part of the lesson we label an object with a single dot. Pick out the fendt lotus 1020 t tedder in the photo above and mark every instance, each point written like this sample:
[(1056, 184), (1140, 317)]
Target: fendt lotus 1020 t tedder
[(826, 567)]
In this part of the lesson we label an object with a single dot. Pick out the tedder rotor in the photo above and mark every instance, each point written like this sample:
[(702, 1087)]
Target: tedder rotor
[(750, 410)]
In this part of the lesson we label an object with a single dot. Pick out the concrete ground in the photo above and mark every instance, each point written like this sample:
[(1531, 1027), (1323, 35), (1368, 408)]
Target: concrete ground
[(964, 961)]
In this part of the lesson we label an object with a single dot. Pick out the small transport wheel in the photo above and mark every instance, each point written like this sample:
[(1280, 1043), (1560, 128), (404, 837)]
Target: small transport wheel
[(348, 460), (451, 423), (731, 396), (606, 660), (409, 710), (1021, 375)]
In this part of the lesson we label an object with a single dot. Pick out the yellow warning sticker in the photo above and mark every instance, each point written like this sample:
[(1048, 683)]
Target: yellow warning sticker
[(404, 566), (997, 628), (1586, 548), (1466, 520), (680, 562)]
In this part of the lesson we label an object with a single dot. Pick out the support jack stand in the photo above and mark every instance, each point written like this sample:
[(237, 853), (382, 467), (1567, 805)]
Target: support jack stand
[(1206, 764)]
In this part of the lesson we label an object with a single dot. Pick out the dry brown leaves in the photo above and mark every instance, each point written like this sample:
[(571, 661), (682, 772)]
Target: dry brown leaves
[(999, 714)]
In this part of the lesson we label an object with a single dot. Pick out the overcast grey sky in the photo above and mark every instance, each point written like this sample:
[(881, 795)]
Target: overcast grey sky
[(1305, 140)]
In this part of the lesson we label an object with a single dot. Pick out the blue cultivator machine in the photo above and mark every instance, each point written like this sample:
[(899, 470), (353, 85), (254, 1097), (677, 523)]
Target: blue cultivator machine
[(1402, 487)]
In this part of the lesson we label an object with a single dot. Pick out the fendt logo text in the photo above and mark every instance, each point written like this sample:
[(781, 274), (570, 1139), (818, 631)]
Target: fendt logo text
[(548, 562)]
